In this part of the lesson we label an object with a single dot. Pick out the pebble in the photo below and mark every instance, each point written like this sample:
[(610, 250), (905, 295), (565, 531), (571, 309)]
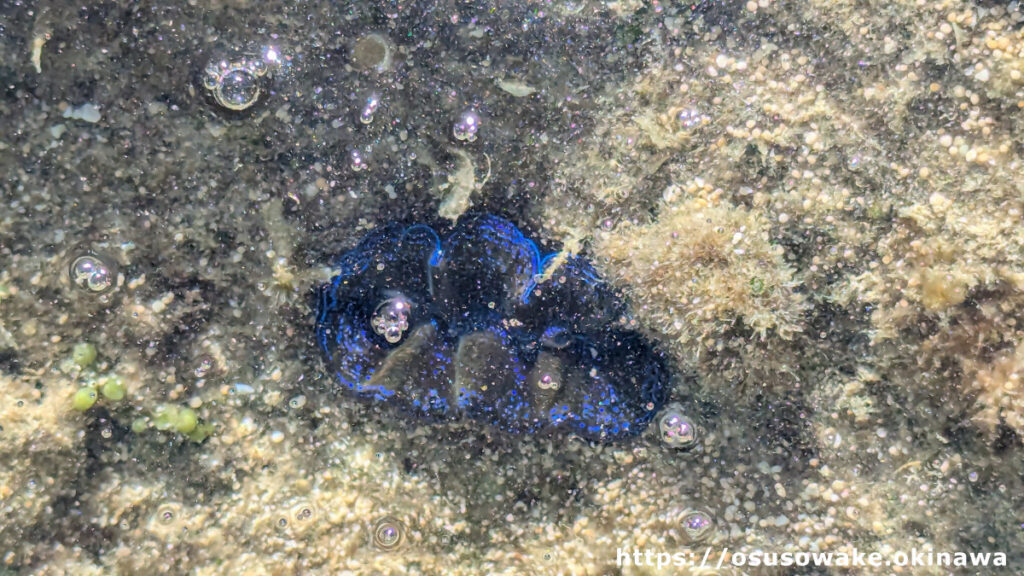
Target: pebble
[(780, 490), (87, 112)]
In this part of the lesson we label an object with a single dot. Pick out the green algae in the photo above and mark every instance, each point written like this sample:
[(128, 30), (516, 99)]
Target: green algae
[(84, 398), (112, 388), (83, 354), (186, 421)]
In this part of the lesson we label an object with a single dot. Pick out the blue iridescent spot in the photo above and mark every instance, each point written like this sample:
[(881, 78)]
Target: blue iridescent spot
[(467, 326)]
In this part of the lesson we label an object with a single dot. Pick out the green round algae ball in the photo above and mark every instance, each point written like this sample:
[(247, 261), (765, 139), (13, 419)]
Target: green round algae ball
[(139, 425), (112, 388), (83, 399), (84, 354), (187, 420), (165, 417), (202, 432)]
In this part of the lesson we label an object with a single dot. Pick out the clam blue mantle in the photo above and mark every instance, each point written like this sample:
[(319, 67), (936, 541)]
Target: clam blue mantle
[(465, 326)]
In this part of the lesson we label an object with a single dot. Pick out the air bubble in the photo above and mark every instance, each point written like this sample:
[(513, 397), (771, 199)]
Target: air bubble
[(303, 513), (93, 273), (698, 525), (166, 513), (466, 128), (356, 162), (236, 84), (391, 319), (366, 116), (547, 382), (677, 429), (204, 366), (388, 533), (690, 118)]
